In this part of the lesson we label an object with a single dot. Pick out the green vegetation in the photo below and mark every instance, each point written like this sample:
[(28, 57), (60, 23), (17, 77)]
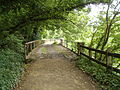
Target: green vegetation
[(27, 20), (11, 62), (11, 67), (106, 79)]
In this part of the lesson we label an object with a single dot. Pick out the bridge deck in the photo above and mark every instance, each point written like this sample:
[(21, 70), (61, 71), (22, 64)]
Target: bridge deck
[(53, 70)]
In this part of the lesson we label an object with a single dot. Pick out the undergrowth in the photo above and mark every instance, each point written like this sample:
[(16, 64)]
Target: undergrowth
[(11, 67), (11, 62), (106, 79)]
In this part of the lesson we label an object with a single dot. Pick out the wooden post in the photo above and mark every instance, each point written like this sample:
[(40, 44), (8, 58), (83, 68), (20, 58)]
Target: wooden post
[(80, 49), (33, 45), (61, 42), (90, 53), (36, 44), (25, 51), (108, 58), (30, 47)]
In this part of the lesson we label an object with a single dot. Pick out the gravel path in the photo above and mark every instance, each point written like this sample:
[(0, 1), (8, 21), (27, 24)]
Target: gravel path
[(54, 69)]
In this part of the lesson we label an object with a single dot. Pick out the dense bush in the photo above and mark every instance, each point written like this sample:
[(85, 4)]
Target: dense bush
[(11, 66), (13, 42), (11, 61), (107, 80)]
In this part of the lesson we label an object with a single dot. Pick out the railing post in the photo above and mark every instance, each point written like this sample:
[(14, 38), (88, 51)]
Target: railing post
[(108, 58), (61, 41), (90, 53), (34, 45), (30, 47), (80, 49), (25, 50)]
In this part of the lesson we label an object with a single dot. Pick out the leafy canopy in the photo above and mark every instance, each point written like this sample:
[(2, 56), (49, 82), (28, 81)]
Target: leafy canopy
[(15, 14)]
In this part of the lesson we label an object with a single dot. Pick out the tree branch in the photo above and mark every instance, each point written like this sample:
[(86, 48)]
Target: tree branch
[(47, 12), (11, 31)]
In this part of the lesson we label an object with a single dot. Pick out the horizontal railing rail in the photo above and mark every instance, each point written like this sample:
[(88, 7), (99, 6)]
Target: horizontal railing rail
[(102, 52), (29, 46), (78, 48)]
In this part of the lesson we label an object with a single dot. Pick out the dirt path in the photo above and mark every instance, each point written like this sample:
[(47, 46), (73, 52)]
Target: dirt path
[(53, 70)]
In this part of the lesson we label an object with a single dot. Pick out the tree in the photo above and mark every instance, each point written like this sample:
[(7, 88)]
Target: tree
[(16, 14)]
